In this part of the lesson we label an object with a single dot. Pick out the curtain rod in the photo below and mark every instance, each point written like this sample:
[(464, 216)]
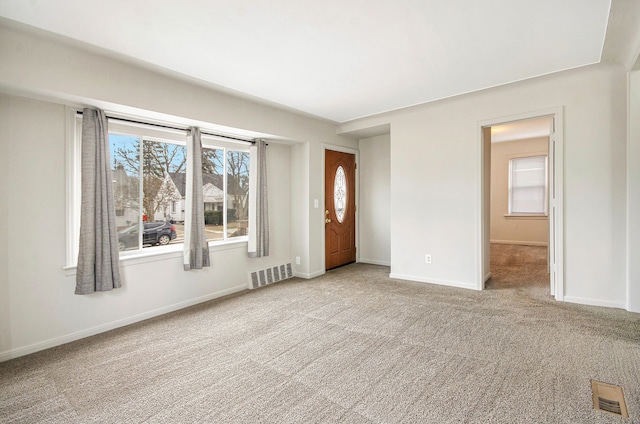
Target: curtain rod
[(169, 127)]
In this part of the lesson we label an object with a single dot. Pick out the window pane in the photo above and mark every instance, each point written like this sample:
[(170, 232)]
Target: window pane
[(160, 164), (163, 176), (125, 176), (237, 193), (528, 185), (340, 193), (213, 193)]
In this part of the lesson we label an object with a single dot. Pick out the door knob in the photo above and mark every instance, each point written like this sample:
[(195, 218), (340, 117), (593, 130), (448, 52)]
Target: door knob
[(328, 220)]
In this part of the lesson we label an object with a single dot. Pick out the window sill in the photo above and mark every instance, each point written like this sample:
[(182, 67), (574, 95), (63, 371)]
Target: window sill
[(532, 216), (160, 253)]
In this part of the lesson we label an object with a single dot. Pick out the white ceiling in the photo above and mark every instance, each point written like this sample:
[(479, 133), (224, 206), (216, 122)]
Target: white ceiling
[(337, 59)]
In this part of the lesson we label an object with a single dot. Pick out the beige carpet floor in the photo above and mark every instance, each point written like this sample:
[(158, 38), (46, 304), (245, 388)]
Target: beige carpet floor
[(352, 346), (515, 266)]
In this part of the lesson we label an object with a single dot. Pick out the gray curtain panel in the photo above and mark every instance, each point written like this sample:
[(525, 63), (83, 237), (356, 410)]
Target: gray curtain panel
[(258, 203), (98, 256), (196, 248)]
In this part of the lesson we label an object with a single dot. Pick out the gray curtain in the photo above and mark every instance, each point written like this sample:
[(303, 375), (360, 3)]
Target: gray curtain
[(196, 248), (98, 260), (258, 204)]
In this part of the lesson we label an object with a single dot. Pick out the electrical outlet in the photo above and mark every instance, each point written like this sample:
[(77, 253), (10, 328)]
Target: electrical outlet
[(427, 258), (297, 260)]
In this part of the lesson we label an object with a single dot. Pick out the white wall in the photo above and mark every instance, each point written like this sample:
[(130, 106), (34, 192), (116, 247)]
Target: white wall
[(38, 77), (436, 180), (5, 299), (374, 231), (300, 208), (633, 179), (33, 136)]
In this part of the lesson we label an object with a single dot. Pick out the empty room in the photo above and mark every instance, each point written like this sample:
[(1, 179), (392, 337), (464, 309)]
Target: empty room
[(298, 211)]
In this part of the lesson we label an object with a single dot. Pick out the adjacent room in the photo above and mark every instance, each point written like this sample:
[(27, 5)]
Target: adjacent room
[(298, 211), (519, 203)]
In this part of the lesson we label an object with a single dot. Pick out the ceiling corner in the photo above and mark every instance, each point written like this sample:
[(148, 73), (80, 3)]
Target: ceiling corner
[(622, 39)]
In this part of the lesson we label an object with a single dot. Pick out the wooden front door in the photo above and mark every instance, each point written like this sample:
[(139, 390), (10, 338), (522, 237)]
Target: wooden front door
[(340, 208)]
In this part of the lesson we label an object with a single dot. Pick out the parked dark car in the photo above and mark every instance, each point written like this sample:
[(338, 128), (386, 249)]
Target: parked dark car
[(159, 232)]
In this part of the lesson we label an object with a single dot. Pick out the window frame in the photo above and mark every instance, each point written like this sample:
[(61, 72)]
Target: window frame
[(510, 187), (144, 131)]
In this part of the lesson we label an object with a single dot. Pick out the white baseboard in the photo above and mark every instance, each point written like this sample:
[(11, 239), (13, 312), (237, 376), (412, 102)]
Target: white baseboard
[(593, 302), (434, 281), (486, 277), (520, 243), (308, 276), (57, 341), (374, 262)]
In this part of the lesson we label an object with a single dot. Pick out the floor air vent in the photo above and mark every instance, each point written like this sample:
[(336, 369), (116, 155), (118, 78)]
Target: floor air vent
[(608, 398), (269, 275)]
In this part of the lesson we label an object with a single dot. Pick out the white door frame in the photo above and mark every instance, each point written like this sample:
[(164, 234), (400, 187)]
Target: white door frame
[(556, 197)]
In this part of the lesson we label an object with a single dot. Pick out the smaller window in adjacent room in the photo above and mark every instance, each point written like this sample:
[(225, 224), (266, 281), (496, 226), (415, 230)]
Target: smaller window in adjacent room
[(528, 185)]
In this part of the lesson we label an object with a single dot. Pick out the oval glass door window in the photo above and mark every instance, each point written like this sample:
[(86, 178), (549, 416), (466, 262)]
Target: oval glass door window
[(340, 193)]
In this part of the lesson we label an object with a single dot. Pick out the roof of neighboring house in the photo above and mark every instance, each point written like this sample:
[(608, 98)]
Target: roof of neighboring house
[(119, 174), (179, 179)]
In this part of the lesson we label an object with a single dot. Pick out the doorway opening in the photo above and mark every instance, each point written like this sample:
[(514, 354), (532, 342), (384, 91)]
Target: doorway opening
[(521, 174)]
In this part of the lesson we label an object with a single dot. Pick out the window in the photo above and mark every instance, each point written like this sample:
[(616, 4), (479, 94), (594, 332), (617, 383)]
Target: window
[(143, 186), (237, 193), (148, 168), (225, 188), (528, 185), (340, 193)]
